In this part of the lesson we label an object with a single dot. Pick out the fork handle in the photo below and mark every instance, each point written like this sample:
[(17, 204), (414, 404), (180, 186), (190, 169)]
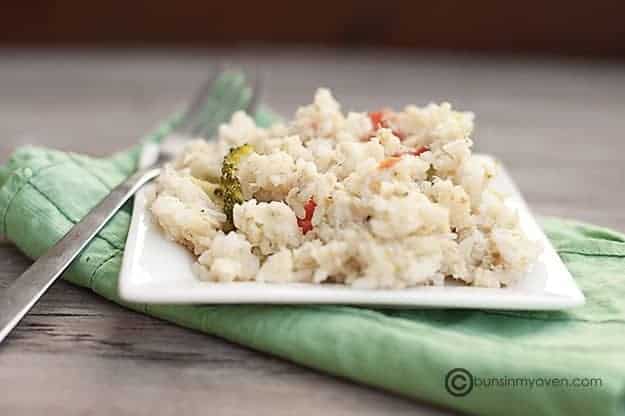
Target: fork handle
[(20, 297)]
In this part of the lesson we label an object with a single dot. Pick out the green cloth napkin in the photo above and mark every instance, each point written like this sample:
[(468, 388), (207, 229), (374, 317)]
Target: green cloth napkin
[(44, 192)]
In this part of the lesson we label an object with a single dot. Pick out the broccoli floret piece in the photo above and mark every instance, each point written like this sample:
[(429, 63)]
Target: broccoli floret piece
[(230, 186)]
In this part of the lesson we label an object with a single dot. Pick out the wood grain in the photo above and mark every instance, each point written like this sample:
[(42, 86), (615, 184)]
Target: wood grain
[(557, 125)]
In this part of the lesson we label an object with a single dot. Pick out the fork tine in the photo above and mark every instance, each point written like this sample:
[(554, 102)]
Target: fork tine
[(247, 100), (218, 109), (242, 93), (228, 90), (198, 100), (256, 83)]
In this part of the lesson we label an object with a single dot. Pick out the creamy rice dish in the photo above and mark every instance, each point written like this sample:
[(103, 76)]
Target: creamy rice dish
[(380, 200)]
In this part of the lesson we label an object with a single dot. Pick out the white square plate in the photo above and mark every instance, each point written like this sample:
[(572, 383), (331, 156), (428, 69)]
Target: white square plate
[(156, 270)]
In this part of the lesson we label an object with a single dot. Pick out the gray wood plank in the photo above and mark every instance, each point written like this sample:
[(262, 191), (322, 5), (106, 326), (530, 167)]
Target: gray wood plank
[(76, 353), (556, 125)]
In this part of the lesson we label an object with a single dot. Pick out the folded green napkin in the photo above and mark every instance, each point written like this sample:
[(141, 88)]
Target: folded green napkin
[(410, 352)]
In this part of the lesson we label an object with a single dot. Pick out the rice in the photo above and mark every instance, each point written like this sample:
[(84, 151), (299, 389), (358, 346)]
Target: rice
[(382, 200)]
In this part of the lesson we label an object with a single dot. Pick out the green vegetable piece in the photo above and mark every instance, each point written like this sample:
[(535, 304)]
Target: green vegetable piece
[(230, 186)]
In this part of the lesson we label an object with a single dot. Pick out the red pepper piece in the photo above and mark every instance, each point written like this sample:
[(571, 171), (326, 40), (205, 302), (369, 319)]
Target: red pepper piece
[(389, 162), (378, 119), (306, 223), (415, 152)]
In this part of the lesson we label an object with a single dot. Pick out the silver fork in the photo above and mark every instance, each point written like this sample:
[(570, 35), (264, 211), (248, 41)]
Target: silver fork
[(221, 95)]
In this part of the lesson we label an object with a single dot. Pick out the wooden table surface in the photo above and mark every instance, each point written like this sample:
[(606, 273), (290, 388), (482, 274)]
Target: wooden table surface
[(558, 125)]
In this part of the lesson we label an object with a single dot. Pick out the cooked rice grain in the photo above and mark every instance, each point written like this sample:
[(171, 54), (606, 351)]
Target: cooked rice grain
[(376, 201)]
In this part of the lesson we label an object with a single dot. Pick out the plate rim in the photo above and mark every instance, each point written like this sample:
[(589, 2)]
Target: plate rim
[(221, 293)]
